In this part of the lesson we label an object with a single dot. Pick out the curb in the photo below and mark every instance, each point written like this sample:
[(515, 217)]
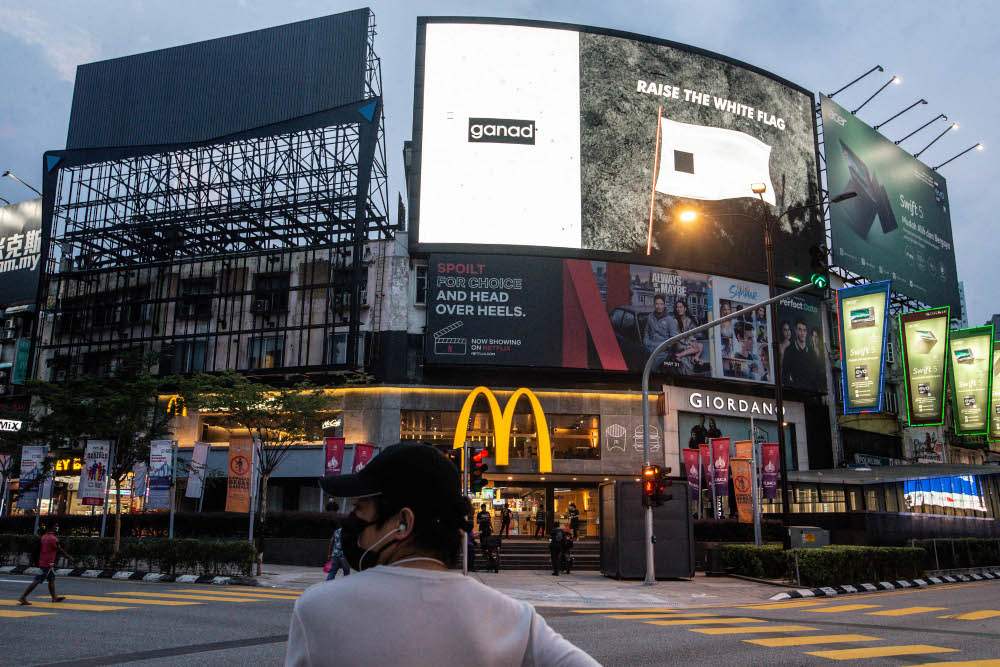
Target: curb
[(831, 591), (125, 575)]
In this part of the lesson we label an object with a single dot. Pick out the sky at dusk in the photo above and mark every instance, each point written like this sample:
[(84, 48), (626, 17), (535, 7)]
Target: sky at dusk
[(944, 52)]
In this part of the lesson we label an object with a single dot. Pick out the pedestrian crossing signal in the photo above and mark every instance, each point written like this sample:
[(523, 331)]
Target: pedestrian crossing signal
[(820, 269), (476, 479), (655, 486)]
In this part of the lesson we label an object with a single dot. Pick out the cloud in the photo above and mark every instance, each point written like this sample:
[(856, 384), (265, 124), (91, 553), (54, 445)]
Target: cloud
[(63, 47)]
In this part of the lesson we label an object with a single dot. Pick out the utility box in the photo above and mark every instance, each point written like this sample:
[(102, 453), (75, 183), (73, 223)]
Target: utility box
[(808, 537), (623, 533)]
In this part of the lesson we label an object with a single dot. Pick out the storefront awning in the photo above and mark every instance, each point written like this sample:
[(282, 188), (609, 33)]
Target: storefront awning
[(883, 474), (18, 310)]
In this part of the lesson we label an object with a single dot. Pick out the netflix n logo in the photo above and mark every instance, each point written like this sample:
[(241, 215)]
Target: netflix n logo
[(501, 131)]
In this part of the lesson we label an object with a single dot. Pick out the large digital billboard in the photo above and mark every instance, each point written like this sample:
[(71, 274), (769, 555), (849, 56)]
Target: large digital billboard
[(862, 313), (994, 434), (509, 310), (899, 226), (20, 251), (924, 339), (578, 142), (970, 360)]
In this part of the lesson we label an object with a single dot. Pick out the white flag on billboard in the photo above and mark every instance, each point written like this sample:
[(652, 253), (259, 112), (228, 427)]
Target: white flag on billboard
[(711, 163), (196, 474)]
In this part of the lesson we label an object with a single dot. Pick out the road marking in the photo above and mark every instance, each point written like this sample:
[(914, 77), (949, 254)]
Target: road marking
[(262, 596), (880, 651), (814, 639), (752, 628), (970, 663), (162, 603), (905, 611), (643, 616), (644, 610), (973, 615), (708, 621), (68, 605), (264, 589), (786, 605), (185, 596), (11, 613), (843, 607)]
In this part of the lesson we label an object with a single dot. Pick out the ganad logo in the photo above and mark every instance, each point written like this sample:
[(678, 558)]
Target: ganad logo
[(501, 131)]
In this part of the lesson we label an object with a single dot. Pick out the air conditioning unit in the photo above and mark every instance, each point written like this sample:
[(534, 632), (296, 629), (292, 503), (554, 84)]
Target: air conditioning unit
[(10, 324), (260, 306), (9, 334)]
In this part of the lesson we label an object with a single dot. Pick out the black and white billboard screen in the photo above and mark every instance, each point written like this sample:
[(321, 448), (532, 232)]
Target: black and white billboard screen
[(579, 142)]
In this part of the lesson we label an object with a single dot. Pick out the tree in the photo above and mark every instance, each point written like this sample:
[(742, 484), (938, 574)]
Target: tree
[(122, 406), (278, 418)]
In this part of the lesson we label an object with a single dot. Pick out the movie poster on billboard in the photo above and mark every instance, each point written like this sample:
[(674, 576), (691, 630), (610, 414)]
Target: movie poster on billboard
[(801, 343), (30, 478), (994, 435), (898, 226), (691, 457), (160, 476), (924, 340), (862, 312), (94, 474), (744, 343), (239, 474), (970, 365)]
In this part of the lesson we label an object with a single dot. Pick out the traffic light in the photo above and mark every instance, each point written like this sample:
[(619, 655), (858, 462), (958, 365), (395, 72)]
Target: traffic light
[(655, 486), (455, 456), (820, 269), (476, 479)]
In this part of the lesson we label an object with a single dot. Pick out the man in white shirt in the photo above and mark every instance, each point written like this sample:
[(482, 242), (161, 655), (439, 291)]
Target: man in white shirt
[(405, 607)]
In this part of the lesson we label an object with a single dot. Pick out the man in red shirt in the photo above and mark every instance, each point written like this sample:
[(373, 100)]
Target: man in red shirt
[(47, 561)]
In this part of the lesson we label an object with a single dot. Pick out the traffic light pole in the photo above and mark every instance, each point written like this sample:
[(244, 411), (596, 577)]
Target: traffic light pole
[(465, 493), (648, 369)]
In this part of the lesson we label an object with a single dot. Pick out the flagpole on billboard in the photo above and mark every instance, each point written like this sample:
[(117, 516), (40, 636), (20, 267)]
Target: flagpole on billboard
[(107, 486), (648, 369), (173, 486)]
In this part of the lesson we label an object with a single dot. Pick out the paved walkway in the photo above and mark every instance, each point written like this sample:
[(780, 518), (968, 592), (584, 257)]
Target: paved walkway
[(584, 589)]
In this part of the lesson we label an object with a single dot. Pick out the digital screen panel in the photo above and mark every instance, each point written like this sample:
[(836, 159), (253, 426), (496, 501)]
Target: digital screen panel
[(970, 363), (862, 313), (924, 338)]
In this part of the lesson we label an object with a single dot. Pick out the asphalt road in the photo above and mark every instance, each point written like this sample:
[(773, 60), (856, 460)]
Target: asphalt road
[(110, 622)]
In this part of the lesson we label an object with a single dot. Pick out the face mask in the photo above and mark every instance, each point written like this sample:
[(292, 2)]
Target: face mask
[(356, 555)]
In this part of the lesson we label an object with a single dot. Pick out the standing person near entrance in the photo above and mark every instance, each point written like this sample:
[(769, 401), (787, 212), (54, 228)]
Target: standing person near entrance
[(540, 522), (403, 535), (574, 520), (485, 522), (699, 434), (505, 516), (557, 542), (47, 561)]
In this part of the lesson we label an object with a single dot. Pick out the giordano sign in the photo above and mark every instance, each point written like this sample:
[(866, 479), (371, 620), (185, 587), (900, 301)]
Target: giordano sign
[(502, 422)]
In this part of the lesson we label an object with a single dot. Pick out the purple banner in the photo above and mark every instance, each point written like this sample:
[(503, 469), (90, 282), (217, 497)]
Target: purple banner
[(706, 463), (770, 464), (720, 465), (691, 466)]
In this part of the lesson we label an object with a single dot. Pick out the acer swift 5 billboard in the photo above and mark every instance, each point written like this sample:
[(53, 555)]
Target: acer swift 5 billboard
[(579, 142), (899, 226)]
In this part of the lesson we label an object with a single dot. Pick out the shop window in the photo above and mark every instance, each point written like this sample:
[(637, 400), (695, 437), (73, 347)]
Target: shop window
[(420, 285), (832, 499), (891, 499), (805, 498), (265, 352), (873, 499), (854, 499)]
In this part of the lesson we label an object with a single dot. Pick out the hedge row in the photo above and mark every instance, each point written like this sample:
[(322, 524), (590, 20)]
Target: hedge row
[(731, 530), (826, 566), (177, 556), (948, 554), (197, 525)]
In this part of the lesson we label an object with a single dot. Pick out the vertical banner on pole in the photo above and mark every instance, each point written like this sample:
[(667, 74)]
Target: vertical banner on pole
[(32, 462), (743, 449), (362, 455), (160, 470), (770, 464), (139, 479), (691, 466), (93, 475), (196, 475), (334, 464), (720, 465), (743, 485), (240, 474)]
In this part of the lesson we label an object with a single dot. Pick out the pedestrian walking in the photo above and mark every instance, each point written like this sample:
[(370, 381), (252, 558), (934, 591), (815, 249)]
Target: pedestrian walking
[(505, 516), (485, 522), (540, 523), (335, 557), (46, 561), (403, 536), (574, 520)]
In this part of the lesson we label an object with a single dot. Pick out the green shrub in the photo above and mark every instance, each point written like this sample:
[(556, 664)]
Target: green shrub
[(752, 561), (836, 565), (731, 530), (959, 552)]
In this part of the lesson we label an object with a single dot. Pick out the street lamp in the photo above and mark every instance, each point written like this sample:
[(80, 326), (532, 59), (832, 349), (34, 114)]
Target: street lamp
[(7, 173), (953, 126)]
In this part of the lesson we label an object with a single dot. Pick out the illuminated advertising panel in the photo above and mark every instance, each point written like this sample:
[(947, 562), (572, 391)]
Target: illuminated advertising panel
[(924, 340), (581, 142), (899, 226), (995, 401), (970, 361), (862, 313)]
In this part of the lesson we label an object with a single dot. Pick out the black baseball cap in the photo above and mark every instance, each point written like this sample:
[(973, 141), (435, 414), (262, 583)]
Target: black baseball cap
[(418, 475)]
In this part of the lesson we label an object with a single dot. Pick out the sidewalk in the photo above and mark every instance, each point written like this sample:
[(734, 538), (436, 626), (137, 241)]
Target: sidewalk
[(586, 589)]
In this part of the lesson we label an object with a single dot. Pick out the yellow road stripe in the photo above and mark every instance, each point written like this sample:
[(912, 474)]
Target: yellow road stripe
[(265, 589), (708, 621), (262, 596), (752, 628), (970, 663), (643, 616), (843, 607), (905, 611), (185, 596), (974, 615), (68, 605), (162, 603), (10, 613), (643, 610), (784, 605), (815, 639), (880, 652)]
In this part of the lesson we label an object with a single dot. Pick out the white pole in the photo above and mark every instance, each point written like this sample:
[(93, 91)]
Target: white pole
[(173, 486), (107, 486), (465, 492), (253, 484)]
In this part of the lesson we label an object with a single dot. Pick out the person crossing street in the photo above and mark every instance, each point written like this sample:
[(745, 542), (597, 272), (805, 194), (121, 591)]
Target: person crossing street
[(46, 561)]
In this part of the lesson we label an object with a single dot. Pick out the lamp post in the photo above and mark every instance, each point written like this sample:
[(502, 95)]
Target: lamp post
[(895, 79), (8, 173), (976, 147), (953, 126)]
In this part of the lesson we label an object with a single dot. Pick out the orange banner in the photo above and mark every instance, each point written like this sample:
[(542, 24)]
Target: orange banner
[(744, 488), (743, 449), (240, 469)]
